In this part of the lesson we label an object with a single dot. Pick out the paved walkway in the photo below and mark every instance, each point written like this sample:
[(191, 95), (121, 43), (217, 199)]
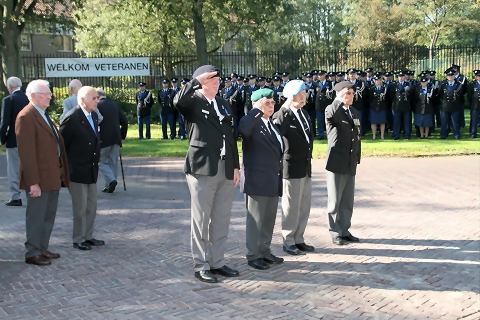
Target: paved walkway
[(419, 221)]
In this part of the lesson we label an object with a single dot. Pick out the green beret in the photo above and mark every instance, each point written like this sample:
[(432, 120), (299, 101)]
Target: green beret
[(262, 93)]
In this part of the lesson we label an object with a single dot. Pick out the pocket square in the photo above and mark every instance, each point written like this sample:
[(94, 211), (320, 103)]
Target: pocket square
[(206, 111)]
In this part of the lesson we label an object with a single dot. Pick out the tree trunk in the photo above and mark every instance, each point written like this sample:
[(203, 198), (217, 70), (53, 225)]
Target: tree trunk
[(199, 29), (433, 42), (10, 51)]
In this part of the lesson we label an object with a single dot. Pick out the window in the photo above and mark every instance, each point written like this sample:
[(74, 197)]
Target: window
[(64, 43), (25, 42)]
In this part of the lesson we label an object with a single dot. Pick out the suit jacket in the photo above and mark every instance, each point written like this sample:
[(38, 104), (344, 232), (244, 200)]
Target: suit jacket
[(262, 157), (38, 151), (205, 132), (297, 159), (70, 103), (114, 126), (82, 145), (343, 133), (11, 106)]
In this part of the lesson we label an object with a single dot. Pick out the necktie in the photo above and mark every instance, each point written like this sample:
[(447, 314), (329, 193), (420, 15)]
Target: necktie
[(52, 126), (90, 120), (347, 111), (274, 136), (304, 122)]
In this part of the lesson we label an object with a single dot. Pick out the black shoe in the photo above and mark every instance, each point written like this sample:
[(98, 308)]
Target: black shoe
[(293, 250), (105, 189), (351, 238), (339, 241), (225, 271), (171, 138), (273, 259), (258, 264), (305, 247), (14, 203), (95, 242), (206, 276), (82, 246), (140, 138), (111, 186)]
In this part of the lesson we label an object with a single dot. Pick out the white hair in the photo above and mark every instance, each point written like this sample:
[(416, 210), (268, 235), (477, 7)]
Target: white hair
[(35, 86), (75, 85), (82, 93), (14, 82)]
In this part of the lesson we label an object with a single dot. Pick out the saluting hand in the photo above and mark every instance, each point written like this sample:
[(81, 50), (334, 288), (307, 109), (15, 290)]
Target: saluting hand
[(287, 102), (205, 77), (260, 104)]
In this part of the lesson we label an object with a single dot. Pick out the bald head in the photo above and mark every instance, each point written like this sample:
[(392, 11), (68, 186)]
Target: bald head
[(74, 86)]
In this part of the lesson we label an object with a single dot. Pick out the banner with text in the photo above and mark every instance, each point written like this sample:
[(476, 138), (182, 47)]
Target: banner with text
[(96, 67)]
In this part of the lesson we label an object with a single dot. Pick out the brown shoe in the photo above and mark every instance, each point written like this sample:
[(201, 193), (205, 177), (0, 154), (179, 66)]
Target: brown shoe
[(50, 255), (38, 260)]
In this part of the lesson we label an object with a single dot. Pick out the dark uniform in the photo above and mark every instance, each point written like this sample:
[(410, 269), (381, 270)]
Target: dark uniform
[(360, 103), (324, 97), (423, 106), (451, 95), (378, 103), (230, 94), (178, 115), (241, 97), (167, 111), (401, 97), (464, 82), (249, 90), (473, 96), (144, 101), (277, 93), (310, 103)]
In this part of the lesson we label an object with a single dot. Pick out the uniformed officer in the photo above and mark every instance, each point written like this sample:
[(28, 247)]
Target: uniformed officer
[(324, 97), (378, 100), (437, 104), (339, 77), (464, 82), (234, 78), (311, 89), (450, 92), (369, 76), (387, 80), (249, 90), (241, 97), (331, 77), (144, 101), (229, 93), (423, 99), (277, 93), (268, 83), (360, 102), (178, 116), (315, 76), (262, 82), (285, 78), (400, 94), (167, 111), (473, 96)]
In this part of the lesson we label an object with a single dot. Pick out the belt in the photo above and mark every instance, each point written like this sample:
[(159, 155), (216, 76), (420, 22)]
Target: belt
[(222, 157)]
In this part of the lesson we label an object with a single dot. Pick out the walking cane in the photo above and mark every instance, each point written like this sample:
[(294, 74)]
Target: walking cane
[(123, 175)]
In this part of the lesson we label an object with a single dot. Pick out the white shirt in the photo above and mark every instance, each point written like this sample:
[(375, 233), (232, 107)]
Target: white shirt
[(279, 138), (220, 117), (296, 112)]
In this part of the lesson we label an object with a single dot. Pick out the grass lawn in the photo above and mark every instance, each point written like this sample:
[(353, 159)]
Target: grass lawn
[(415, 147)]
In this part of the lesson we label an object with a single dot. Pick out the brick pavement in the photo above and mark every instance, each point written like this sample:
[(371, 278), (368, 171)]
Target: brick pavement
[(419, 257)]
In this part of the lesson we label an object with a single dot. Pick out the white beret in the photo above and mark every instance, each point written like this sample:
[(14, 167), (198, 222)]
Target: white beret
[(293, 87)]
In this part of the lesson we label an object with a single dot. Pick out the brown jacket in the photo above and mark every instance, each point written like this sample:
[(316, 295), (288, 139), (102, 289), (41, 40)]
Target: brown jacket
[(38, 152)]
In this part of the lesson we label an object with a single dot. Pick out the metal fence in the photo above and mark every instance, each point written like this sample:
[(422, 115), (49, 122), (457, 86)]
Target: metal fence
[(266, 63)]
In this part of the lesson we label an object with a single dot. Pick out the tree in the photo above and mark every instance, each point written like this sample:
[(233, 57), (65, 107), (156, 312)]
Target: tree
[(15, 14)]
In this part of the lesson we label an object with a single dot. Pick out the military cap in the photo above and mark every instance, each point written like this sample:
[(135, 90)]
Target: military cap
[(304, 74), (308, 75), (340, 74), (252, 76), (450, 72), (298, 78), (166, 81), (387, 74), (424, 79), (142, 84), (292, 88), (285, 74), (351, 70), (277, 74), (314, 72), (320, 72), (174, 80), (369, 70), (363, 74), (342, 85), (240, 78), (455, 66), (358, 72), (400, 73), (228, 79), (408, 72), (184, 81), (377, 76), (261, 93), (206, 68), (432, 73), (268, 80), (261, 79), (476, 72), (234, 75), (276, 78), (331, 74)]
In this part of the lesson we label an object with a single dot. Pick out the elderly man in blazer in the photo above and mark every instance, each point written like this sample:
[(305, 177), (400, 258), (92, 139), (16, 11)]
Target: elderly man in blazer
[(71, 102), (262, 160), (212, 169), (43, 171), (79, 129), (11, 106), (343, 155), (296, 129), (114, 129)]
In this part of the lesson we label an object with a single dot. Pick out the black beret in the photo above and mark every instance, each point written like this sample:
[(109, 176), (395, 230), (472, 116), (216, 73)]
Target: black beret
[(342, 85), (205, 69)]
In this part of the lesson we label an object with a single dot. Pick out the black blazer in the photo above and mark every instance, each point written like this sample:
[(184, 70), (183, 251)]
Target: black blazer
[(423, 104), (113, 128), (206, 133), (400, 96), (324, 95), (82, 145), (11, 106), (297, 159), (262, 157), (378, 101), (344, 147)]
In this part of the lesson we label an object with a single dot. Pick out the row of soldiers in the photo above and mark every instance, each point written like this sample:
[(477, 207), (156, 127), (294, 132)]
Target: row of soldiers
[(380, 100)]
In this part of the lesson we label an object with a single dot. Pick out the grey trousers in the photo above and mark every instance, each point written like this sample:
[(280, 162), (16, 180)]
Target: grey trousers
[(108, 164), (211, 199), (84, 206), (39, 220), (261, 215), (296, 203), (341, 191), (13, 172)]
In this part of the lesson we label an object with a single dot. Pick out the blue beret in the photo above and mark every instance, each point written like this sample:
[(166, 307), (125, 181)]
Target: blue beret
[(293, 87), (261, 93), (204, 69)]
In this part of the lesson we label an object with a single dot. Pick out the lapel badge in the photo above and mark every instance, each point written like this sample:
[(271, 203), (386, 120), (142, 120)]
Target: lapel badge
[(206, 117)]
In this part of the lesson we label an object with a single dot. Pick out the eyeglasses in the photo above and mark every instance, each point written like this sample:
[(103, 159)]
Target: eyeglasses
[(44, 93)]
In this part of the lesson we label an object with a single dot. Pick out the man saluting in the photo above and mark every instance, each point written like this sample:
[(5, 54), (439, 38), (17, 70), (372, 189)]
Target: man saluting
[(212, 169)]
